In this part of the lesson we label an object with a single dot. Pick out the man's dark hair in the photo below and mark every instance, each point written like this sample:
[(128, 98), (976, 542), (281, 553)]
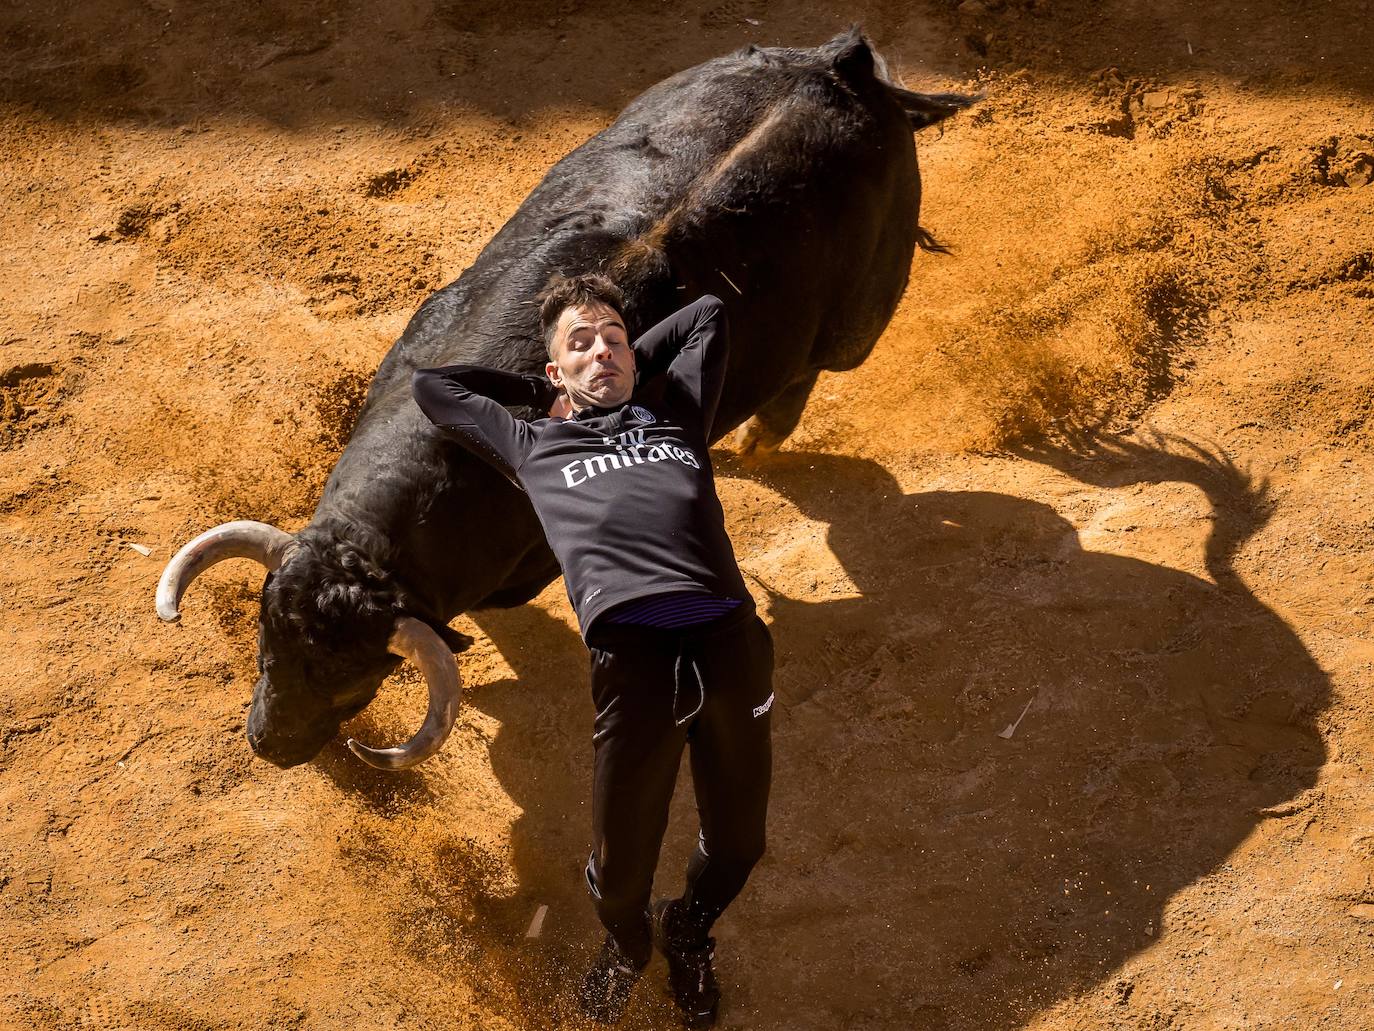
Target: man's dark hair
[(565, 292)]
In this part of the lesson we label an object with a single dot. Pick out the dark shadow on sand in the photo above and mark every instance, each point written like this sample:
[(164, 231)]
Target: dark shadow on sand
[(298, 65), (925, 871)]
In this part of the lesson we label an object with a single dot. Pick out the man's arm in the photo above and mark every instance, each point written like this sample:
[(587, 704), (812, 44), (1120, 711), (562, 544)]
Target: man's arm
[(692, 346), (503, 387), (467, 401)]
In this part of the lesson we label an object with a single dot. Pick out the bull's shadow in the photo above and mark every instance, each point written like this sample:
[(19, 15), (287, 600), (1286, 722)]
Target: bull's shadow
[(922, 870), (925, 871)]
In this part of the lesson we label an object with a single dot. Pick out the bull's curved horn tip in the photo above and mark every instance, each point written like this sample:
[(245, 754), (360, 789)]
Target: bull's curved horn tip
[(360, 750), (417, 641), (242, 538), (381, 758)]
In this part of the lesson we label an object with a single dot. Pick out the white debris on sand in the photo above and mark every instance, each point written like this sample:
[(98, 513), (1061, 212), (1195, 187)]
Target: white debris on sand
[(537, 924)]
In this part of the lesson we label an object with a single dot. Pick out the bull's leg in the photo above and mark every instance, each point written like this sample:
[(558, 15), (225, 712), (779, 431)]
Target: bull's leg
[(773, 423)]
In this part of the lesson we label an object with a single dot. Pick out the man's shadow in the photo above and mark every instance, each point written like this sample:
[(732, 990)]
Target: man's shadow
[(923, 870)]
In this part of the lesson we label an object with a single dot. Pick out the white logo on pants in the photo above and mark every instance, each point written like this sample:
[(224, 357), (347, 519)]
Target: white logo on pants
[(761, 709)]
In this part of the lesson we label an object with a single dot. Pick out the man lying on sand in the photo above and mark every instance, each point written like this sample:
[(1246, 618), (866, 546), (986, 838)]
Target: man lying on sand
[(620, 477)]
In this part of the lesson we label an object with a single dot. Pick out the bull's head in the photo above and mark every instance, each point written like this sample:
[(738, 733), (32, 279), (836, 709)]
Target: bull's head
[(332, 627)]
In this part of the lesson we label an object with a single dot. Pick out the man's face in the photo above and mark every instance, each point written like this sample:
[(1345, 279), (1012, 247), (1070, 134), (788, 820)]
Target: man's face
[(592, 360)]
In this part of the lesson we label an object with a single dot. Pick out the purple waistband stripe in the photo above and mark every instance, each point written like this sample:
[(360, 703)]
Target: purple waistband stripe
[(676, 609)]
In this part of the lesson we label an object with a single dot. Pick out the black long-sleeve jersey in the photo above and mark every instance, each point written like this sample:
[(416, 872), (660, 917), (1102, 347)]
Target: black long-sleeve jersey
[(626, 495)]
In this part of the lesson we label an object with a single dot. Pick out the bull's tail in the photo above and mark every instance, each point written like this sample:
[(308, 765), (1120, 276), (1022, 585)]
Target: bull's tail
[(927, 242)]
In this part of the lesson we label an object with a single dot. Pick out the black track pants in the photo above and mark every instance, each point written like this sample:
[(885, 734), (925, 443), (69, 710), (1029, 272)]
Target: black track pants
[(656, 691)]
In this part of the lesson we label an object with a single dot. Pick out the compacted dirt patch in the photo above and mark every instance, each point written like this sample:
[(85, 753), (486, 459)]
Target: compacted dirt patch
[(1106, 480)]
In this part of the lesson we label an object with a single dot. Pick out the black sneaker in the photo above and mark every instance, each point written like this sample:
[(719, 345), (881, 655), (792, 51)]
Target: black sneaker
[(690, 977), (607, 985)]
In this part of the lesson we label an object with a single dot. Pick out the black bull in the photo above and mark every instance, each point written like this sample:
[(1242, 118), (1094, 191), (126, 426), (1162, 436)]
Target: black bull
[(783, 180)]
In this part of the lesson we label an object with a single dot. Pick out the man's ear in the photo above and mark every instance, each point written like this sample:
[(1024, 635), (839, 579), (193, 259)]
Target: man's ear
[(555, 374)]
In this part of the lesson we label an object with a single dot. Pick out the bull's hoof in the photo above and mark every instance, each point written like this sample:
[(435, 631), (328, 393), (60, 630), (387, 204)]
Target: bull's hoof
[(753, 442)]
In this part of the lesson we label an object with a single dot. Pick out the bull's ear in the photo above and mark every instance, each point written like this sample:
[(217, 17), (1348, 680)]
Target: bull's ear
[(850, 55), (457, 642)]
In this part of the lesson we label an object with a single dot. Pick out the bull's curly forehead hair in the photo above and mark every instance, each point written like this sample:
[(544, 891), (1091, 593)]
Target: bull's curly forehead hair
[(563, 292)]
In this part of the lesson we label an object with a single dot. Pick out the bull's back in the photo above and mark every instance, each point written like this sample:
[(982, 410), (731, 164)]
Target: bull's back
[(762, 176), (789, 191)]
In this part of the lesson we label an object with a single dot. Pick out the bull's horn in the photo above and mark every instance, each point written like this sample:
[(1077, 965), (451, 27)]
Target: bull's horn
[(417, 641), (242, 538)]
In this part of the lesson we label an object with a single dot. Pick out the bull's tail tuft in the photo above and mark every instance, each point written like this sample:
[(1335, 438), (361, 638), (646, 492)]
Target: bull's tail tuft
[(927, 242)]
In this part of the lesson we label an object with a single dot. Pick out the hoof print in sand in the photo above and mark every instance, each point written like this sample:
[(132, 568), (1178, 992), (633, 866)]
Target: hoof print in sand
[(388, 183), (1344, 162), (30, 394)]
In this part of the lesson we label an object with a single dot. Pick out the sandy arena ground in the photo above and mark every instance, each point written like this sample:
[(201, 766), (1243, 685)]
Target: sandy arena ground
[(217, 217)]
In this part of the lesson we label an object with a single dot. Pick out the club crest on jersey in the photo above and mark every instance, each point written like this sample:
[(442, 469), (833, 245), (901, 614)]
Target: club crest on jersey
[(642, 414)]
